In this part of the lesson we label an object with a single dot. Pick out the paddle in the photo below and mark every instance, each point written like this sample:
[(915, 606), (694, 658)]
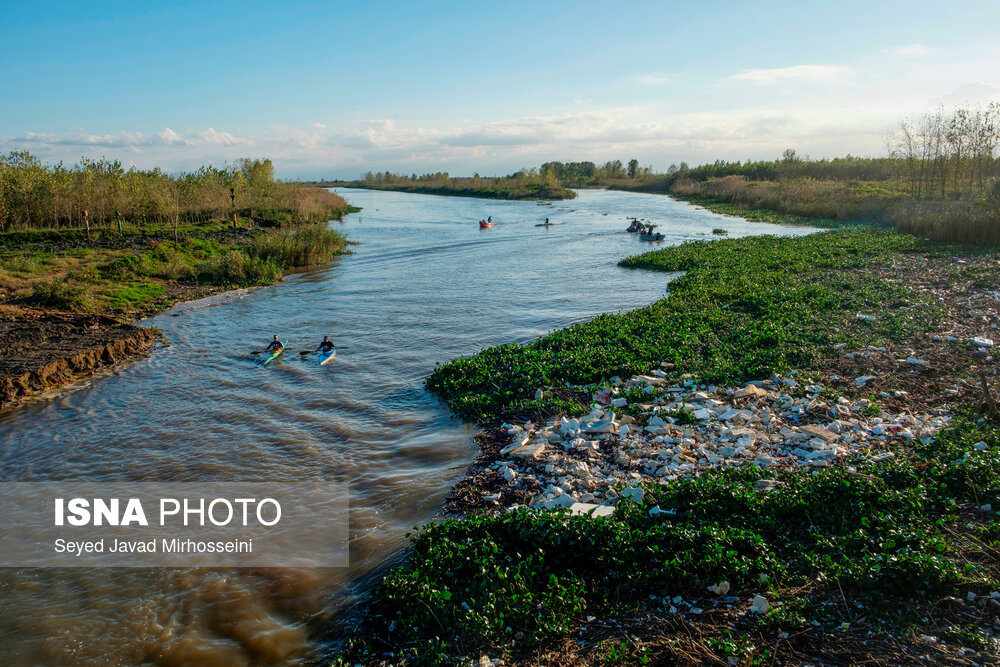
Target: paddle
[(256, 352), (305, 352)]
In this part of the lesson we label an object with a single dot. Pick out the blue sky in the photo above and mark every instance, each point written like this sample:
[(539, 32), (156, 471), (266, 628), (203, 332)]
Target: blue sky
[(333, 89)]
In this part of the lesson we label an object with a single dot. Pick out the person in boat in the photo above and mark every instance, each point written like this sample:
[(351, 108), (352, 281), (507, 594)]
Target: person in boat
[(546, 221), (275, 345), (326, 346), (490, 219)]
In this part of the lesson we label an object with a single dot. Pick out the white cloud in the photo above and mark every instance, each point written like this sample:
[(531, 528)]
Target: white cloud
[(911, 50), (168, 136), (806, 73), (211, 136), (648, 133), (971, 92), (654, 79)]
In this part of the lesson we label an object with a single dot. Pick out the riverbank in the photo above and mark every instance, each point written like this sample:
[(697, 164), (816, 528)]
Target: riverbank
[(841, 507), (66, 301), (837, 203), (43, 350), (482, 188)]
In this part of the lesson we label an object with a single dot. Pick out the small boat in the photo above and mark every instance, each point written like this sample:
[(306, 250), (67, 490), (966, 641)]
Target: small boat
[(328, 357), (548, 224), (484, 225), (271, 356), (651, 237), (635, 227)]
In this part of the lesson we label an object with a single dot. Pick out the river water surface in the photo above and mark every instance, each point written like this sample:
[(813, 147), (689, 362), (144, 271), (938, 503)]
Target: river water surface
[(424, 285)]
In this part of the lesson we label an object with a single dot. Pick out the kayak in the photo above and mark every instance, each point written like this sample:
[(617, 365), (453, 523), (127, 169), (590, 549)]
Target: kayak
[(484, 225), (271, 356), (548, 224), (325, 358)]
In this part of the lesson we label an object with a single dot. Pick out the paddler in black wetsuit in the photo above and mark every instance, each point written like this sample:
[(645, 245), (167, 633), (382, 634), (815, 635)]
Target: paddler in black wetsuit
[(326, 346), (275, 345)]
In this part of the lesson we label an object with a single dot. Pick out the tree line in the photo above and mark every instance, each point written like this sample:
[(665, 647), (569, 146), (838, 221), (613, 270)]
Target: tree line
[(943, 152), (36, 195)]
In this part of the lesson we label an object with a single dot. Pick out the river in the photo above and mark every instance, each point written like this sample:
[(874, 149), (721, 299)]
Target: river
[(423, 285)]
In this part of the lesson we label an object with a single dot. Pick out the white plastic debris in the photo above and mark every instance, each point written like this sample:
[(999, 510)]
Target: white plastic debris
[(720, 588)]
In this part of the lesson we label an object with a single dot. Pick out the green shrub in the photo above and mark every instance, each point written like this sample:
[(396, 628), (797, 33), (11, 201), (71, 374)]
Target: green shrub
[(300, 246), (58, 294), (236, 268)]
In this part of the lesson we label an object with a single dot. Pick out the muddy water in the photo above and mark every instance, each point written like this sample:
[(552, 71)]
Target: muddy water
[(424, 285)]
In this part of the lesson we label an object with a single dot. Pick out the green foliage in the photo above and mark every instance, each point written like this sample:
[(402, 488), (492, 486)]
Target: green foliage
[(169, 261), (20, 264), (237, 269), (59, 295), (301, 246), (745, 308), (134, 295), (881, 535), (34, 195), (525, 184)]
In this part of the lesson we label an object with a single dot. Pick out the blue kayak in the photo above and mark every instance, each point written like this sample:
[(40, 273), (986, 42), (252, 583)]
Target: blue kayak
[(327, 357)]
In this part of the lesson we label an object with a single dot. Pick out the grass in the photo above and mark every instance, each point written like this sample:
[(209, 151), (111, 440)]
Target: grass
[(139, 274), (133, 295), (826, 203), (744, 308), (757, 214), (59, 295), (300, 246), (238, 269), (483, 188), (877, 537)]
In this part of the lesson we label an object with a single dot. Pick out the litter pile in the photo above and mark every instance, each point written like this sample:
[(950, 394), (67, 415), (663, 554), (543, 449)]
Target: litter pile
[(589, 463)]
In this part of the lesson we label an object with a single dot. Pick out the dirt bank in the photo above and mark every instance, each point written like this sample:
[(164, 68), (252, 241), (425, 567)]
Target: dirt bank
[(44, 349)]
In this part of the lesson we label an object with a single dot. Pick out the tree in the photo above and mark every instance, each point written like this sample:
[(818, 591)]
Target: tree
[(633, 167), (789, 156)]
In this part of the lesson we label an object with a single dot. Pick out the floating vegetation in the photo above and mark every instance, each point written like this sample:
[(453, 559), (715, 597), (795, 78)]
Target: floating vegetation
[(744, 308)]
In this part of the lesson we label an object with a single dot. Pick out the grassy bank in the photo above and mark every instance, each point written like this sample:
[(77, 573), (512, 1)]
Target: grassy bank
[(883, 561), (521, 186), (744, 308), (137, 273), (762, 214), (105, 194), (961, 216)]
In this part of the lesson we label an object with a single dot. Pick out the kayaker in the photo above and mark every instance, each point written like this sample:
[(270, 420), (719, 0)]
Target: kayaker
[(546, 221), (275, 345), (489, 219), (326, 346)]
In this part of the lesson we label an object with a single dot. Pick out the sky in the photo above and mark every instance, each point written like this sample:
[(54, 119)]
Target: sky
[(334, 89)]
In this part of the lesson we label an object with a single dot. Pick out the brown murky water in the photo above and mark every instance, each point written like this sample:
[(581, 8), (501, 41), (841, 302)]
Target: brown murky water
[(425, 285)]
